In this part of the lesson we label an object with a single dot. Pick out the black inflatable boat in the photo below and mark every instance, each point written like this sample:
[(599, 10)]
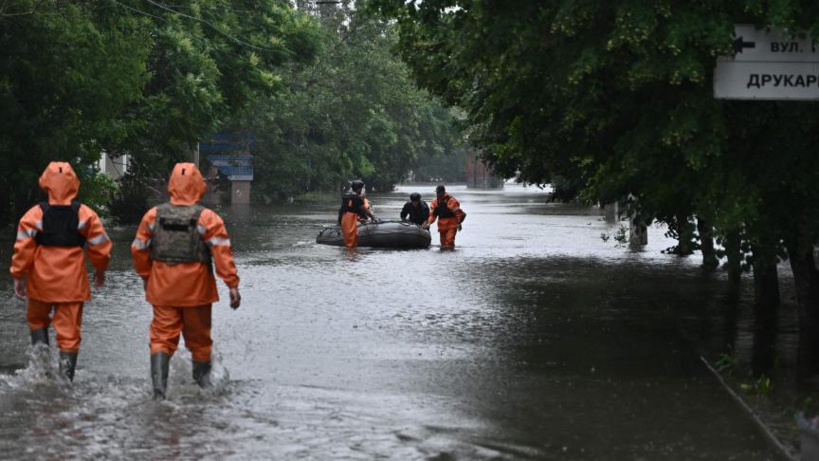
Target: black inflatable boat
[(384, 234)]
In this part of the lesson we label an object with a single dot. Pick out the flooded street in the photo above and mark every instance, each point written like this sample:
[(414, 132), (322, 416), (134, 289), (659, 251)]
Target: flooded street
[(534, 339)]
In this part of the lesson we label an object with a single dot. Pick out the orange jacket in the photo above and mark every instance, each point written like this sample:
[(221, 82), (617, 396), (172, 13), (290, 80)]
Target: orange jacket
[(189, 283), (58, 274), (454, 206), (367, 206)]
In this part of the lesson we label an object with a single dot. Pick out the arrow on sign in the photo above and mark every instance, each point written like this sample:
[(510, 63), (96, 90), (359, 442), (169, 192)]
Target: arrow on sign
[(740, 44)]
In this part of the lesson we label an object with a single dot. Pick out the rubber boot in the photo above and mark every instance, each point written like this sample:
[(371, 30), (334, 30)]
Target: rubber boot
[(68, 362), (201, 374), (39, 335), (159, 374)]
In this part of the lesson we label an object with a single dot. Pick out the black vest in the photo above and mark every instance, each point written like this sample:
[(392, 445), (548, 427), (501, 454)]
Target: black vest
[(353, 203), (442, 211), (60, 226)]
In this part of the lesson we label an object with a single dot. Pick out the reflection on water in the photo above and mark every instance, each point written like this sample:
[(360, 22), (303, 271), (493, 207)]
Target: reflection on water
[(534, 339)]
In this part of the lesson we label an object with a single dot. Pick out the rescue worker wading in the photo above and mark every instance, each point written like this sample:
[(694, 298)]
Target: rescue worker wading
[(353, 208), (450, 216), (48, 265), (175, 250)]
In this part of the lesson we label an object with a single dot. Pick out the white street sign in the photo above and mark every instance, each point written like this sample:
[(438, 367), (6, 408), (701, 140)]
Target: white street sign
[(768, 65), (770, 46)]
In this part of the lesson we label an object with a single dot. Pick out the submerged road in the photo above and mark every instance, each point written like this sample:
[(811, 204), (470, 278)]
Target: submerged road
[(534, 339)]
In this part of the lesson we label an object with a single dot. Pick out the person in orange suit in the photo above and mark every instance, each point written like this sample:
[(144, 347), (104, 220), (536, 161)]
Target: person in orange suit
[(449, 214), (354, 207), (368, 209), (48, 265), (177, 245)]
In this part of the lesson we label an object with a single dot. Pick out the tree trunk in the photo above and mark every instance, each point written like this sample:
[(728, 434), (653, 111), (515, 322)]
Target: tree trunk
[(766, 307), (731, 318), (709, 254), (685, 234), (806, 280), (734, 255)]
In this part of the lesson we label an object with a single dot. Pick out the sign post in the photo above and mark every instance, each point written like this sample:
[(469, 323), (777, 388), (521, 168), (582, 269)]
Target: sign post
[(768, 65)]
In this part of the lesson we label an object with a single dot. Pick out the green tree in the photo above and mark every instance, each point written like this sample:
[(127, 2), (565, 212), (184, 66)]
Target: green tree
[(354, 113), (143, 78), (66, 70), (210, 62)]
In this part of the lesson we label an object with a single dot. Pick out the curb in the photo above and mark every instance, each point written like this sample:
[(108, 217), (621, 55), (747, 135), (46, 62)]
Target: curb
[(786, 451)]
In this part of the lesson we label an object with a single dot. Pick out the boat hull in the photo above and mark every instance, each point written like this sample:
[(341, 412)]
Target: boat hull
[(386, 234)]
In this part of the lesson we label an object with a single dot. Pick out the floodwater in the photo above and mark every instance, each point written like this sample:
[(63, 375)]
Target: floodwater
[(534, 339)]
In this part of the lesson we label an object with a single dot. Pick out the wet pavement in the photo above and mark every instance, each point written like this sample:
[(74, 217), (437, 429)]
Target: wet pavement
[(534, 339)]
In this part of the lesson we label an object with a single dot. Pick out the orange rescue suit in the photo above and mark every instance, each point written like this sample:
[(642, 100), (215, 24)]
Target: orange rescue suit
[(352, 210), (447, 225), (174, 288), (55, 275)]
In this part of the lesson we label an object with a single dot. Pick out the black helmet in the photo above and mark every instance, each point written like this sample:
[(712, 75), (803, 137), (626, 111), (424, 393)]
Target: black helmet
[(415, 196), (440, 188), (357, 185)]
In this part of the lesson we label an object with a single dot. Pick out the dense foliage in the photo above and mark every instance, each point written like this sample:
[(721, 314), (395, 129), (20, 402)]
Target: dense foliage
[(313, 81), (354, 113), (142, 78)]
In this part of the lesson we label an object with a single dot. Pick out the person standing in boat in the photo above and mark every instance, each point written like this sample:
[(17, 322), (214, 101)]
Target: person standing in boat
[(448, 211), (353, 207), (416, 210)]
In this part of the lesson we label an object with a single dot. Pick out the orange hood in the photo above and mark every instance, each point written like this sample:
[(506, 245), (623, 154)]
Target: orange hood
[(60, 183), (186, 186)]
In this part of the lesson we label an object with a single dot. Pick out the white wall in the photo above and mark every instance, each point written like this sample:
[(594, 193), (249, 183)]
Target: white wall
[(113, 167)]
